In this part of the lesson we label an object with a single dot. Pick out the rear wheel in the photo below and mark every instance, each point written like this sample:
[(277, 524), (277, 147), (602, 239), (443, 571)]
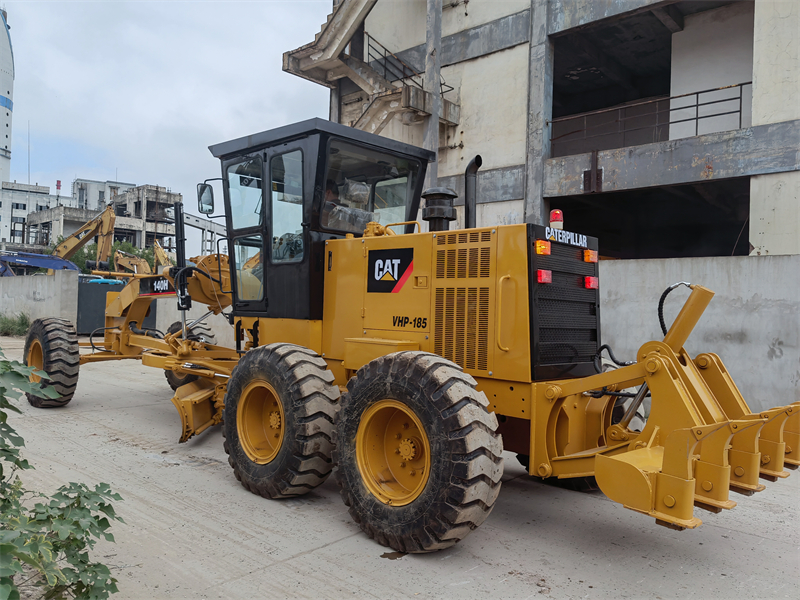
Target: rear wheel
[(201, 333), (280, 407), (418, 454), (52, 346)]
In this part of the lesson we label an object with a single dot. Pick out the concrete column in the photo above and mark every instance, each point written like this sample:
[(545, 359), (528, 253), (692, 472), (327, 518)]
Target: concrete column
[(775, 199), (333, 110), (540, 111), (433, 63)]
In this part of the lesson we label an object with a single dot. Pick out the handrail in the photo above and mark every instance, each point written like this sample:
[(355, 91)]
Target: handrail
[(393, 68), (622, 118)]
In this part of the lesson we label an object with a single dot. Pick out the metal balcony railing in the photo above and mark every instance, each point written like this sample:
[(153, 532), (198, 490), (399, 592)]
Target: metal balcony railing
[(392, 68), (647, 121)]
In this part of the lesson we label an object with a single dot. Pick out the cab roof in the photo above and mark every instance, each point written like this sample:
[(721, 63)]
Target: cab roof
[(271, 137)]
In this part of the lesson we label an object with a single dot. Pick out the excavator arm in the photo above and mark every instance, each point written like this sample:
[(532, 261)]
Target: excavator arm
[(129, 262), (161, 257), (101, 226)]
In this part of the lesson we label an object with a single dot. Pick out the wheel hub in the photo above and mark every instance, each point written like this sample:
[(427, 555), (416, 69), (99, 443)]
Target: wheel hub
[(393, 452), (408, 449), (260, 421)]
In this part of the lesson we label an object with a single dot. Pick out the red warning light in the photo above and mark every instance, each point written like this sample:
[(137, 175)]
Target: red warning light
[(544, 276)]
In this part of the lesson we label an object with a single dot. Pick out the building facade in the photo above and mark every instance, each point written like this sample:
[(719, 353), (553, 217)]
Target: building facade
[(6, 97), (664, 128)]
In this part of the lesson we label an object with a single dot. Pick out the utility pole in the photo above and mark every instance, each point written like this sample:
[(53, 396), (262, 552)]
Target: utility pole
[(433, 65)]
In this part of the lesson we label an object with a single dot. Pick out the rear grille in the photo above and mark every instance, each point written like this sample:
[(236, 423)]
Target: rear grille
[(565, 327), (462, 292)]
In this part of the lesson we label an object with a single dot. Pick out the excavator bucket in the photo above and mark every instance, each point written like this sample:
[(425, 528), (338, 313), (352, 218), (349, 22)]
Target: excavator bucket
[(701, 440)]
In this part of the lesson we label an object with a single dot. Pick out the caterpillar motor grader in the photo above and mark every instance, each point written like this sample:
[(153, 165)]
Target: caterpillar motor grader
[(412, 359)]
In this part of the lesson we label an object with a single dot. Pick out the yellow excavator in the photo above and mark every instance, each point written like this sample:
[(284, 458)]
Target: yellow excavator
[(411, 359), (102, 227)]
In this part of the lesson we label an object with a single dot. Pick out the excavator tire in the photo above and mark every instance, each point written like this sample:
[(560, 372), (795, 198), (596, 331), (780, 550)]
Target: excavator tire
[(52, 346), (419, 456), (200, 332), (280, 410)]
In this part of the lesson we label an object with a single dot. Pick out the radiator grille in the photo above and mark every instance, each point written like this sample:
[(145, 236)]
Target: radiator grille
[(463, 263), (461, 326), (463, 237)]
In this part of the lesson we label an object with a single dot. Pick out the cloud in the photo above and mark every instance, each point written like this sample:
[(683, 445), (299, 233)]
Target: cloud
[(143, 88)]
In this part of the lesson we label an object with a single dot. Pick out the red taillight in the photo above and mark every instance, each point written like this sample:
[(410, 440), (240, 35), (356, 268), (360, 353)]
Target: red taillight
[(591, 283), (543, 276), (542, 247), (590, 255)]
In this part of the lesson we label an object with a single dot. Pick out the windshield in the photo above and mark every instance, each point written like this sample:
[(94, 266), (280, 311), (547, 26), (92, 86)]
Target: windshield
[(364, 185), (245, 187)]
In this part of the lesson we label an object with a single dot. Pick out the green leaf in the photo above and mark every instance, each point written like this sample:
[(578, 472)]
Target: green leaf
[(8, 591)]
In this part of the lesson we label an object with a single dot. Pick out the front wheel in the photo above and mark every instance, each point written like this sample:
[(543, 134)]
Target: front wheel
[(52, 346), (280, 407), (419, 456)]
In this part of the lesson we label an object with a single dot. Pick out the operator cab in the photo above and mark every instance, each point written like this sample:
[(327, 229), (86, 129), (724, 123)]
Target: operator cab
[(287, 190)]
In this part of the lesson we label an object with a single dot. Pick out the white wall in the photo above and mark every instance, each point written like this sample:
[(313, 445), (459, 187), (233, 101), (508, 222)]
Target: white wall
[(715, 49), (41, 296), (775, 199), (752, 323)]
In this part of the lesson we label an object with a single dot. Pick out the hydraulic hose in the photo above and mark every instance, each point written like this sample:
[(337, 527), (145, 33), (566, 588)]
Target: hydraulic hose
[(661, 303)]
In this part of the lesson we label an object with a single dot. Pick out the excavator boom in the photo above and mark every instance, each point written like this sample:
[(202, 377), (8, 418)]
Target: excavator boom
[(101, 226)]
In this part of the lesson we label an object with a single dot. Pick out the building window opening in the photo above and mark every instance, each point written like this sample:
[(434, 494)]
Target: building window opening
[(704, 219)]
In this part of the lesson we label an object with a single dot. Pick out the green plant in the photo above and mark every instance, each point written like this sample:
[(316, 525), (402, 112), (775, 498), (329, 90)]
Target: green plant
[(52, 540), (18, 325)]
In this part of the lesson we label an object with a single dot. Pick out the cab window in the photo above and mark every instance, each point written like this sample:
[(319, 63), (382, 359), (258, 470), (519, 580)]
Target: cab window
[(245, 186), (286, 175), (364, 185), (249, 268)]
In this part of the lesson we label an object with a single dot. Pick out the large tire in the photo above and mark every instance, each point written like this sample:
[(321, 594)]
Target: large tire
[(52, 346), (420, 395), (280, 409), (201, 333)]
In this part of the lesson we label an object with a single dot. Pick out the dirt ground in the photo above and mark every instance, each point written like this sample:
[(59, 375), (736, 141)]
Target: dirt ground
[(192, 531)]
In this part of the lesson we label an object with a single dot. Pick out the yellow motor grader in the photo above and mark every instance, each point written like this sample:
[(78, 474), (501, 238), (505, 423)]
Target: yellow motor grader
[(410, 360)]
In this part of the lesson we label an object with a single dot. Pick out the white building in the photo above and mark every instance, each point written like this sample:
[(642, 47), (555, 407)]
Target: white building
[(6, 98)]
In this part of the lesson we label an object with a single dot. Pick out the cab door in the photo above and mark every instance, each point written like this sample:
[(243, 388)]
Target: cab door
[(289, 194)]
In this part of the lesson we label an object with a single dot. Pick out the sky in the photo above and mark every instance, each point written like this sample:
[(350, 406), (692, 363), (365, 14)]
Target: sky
[(137, 91)]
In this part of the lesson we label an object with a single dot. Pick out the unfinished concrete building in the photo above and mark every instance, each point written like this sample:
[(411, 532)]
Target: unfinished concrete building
[(666, 129), (145, 213)]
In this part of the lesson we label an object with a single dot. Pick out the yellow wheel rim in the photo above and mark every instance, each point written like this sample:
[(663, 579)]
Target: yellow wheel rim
[(36, 359), (393, 453), (260, 422)]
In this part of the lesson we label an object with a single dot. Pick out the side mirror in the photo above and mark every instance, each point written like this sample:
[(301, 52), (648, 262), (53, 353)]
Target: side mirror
[(205, 199)]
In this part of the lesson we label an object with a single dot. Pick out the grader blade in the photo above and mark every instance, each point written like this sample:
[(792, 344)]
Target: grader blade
[(196, 407)]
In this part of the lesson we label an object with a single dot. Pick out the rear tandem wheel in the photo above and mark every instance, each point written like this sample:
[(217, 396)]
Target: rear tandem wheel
[(280, 409), (52, 346), (418, 454)]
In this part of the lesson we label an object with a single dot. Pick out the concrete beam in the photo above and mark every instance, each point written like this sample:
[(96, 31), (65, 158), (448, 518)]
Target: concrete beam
[(670, 16), (569, 14), (204, 224), (475, 42), (752, 151), (494, 185), (363, 76)]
